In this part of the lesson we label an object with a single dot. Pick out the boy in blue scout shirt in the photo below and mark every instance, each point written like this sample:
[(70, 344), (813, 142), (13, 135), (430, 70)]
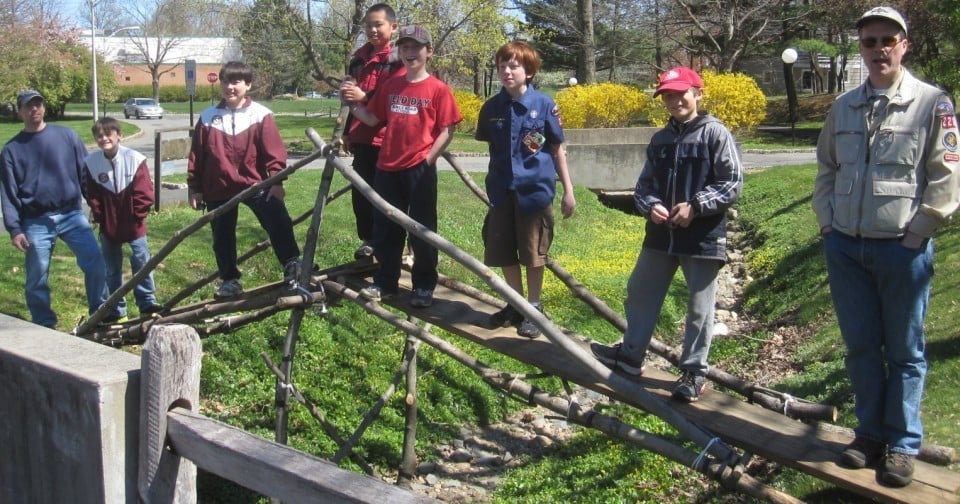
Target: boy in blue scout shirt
[(523, 129)]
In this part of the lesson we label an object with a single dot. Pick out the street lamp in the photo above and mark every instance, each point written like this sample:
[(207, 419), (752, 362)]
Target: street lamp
[(93, 56), (93, 60), (789, 57)]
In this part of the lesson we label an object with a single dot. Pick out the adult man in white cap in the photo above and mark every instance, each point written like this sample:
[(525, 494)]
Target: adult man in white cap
[(41, 189), (887, 179)]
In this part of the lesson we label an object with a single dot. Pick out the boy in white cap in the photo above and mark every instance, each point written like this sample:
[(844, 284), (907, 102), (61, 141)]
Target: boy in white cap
[(887, 180), (693, 174)]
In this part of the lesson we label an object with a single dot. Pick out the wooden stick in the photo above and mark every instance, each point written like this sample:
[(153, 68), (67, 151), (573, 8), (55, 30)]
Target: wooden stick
[(465, 176), (618, 383), (408, 460), (178, 237), (809, 410), (330, 429), (256, 249), (374, 412), (296, 316), (731, 477)]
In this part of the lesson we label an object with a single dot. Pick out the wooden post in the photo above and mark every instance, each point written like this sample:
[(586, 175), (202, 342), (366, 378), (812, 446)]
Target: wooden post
[(169, 377)]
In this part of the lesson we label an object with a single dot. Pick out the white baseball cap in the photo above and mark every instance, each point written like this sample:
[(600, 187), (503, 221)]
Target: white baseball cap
[(887, 13)]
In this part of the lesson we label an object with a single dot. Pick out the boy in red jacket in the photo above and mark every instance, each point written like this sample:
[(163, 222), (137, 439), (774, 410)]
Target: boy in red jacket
[(120, 194)]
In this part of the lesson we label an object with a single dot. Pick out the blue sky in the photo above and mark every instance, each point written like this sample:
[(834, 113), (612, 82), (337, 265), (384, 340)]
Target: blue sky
[(72, 11)]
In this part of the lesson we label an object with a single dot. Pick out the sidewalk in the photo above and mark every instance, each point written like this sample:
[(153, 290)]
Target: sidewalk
[(752, 160)]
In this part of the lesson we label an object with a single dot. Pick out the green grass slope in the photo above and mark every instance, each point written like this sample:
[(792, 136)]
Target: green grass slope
[(346, 359)]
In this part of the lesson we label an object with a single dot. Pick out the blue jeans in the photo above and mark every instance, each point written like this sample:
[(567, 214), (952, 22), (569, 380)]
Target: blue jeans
[(274, 219), (646, 290), (880, 290), (143, 292), (42, 233), (413, 191)]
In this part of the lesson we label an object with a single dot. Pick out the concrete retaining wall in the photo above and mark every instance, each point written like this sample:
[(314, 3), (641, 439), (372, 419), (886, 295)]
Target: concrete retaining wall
[(607, 158), (69, 418)]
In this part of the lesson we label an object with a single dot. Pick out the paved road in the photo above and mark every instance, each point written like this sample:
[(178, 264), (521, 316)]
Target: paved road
[(144, 143)]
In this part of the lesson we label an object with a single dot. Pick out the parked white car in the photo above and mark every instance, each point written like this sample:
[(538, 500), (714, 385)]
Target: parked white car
[(142, 107)]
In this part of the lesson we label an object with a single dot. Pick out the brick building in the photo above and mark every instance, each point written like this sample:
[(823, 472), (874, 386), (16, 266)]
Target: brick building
[(123, 53)]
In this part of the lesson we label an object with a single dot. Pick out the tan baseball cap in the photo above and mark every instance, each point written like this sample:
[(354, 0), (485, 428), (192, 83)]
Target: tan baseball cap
[(886, 13)]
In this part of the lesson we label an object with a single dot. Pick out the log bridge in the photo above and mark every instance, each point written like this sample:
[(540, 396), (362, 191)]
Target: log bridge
[(730, 424)]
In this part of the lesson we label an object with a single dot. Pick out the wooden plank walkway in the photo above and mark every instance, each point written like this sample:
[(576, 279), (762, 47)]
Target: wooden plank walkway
[(809, 448)]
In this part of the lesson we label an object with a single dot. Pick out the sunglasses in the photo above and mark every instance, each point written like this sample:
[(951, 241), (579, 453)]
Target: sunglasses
[(887, 41)]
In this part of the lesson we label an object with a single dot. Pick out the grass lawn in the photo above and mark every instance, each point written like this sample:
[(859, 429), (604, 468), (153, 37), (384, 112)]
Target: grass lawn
[(346, 359)]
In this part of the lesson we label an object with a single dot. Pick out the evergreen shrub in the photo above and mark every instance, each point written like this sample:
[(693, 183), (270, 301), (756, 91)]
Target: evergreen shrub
[(734, 98), (603, 105)]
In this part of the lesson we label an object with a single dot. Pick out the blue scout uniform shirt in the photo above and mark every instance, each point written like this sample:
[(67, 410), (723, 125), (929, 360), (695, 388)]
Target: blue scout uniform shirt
[(518, 133)]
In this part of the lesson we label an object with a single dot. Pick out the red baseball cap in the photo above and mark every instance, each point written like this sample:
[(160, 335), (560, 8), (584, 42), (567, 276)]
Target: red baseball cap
[(678, 79)]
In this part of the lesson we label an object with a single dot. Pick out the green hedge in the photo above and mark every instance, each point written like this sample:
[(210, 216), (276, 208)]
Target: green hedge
[(168, 93)]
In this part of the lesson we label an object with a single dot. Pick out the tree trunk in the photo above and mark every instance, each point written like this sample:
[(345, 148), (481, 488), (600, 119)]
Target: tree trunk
[(586, 64)]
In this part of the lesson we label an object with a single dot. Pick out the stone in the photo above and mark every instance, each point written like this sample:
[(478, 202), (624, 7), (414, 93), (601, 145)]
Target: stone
[(461, 455)]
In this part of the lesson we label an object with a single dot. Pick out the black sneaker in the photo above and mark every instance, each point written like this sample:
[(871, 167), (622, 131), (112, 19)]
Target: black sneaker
[(614, 358), (229, 289), (374, 292), (291, 274), (365, 250), (527, 328), (422, 298), (689, 387), (154, 308), (897, 469), (508, 316), (862, 452)]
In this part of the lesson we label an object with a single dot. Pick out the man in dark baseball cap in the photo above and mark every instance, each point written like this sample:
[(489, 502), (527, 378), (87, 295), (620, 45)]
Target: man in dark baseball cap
[(26, 96), (417, 33), (41, 193)]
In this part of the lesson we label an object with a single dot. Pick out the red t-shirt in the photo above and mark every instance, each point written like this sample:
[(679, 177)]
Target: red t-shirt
[(415, 113)]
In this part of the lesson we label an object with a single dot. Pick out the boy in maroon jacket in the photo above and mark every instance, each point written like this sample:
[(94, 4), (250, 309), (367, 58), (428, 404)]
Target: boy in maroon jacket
[(237, 145), (120, 194)]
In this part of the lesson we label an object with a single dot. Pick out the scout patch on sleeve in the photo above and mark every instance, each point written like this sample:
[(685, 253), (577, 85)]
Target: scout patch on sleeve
[(950, 156), (948, 122), (950, 141), (944, 107)]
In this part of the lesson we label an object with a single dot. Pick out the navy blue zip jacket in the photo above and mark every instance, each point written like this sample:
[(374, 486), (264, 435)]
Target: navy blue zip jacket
[(694, 162)]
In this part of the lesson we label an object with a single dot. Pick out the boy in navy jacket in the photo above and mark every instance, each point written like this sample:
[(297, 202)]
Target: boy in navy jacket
[(693, 174)]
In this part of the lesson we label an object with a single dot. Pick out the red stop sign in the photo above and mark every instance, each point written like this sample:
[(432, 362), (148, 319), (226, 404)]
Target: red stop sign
[(212, 77)]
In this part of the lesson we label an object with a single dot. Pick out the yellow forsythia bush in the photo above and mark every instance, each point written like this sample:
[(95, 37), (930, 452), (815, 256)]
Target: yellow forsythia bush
[(469, 105), (603, 105), (734, 98)]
